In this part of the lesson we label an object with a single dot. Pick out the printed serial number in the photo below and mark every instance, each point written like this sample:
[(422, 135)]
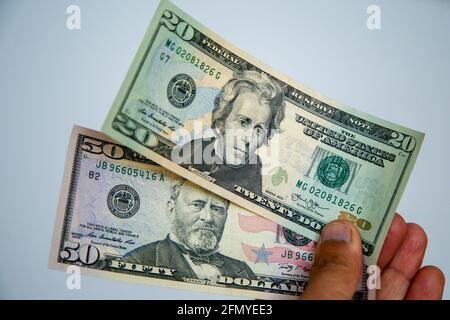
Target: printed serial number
[(359, 222), (134, 172), (322, 194), (189, 57), (305, 256)]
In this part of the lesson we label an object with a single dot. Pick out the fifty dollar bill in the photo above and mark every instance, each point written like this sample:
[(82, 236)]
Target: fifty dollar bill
[(122, 217), (202, 108)]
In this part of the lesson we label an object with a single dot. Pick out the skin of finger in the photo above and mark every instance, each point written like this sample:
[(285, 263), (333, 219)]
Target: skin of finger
[(394, 239), (336, 269), (394, 285), (396, 277), (428, 284)]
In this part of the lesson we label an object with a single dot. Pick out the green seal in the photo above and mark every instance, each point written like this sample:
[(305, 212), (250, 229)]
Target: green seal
[(333, 171)]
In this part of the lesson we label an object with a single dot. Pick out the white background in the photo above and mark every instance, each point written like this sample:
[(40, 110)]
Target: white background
[(52, 78)]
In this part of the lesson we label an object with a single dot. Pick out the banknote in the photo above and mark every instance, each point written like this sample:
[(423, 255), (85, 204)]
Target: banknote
[(202, 108), (123, 217)]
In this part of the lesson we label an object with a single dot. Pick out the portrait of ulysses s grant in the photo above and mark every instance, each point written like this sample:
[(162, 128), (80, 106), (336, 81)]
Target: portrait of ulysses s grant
[(192, 245), (247, 112)]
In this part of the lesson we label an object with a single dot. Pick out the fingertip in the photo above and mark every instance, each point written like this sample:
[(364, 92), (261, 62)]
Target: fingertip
[(398, 215), (394, 239), (398, 221), (417, 236), (438, 274), (354, 236), (398, 228), (337, 264), (428, 284), (348, 224)]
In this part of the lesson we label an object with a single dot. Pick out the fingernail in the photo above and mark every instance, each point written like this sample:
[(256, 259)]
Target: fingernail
[(337, 231)]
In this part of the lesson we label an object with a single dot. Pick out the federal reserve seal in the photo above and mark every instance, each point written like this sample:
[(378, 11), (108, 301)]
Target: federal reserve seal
[(123, 201), (295, 238), (333, 171), (181, 90)]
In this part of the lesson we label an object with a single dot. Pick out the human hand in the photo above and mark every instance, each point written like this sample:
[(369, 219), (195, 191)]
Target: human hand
[(338, 262)]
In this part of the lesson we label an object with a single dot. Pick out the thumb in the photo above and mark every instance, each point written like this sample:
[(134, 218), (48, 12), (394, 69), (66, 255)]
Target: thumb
[(337, 263)]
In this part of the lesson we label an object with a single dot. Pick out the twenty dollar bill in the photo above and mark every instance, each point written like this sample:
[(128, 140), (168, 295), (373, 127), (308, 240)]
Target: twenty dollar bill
[(122, 217), (202, 108)]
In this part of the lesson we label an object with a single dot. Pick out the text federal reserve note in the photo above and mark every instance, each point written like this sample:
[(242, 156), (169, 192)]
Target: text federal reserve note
[(202, 108), (121, 217)]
